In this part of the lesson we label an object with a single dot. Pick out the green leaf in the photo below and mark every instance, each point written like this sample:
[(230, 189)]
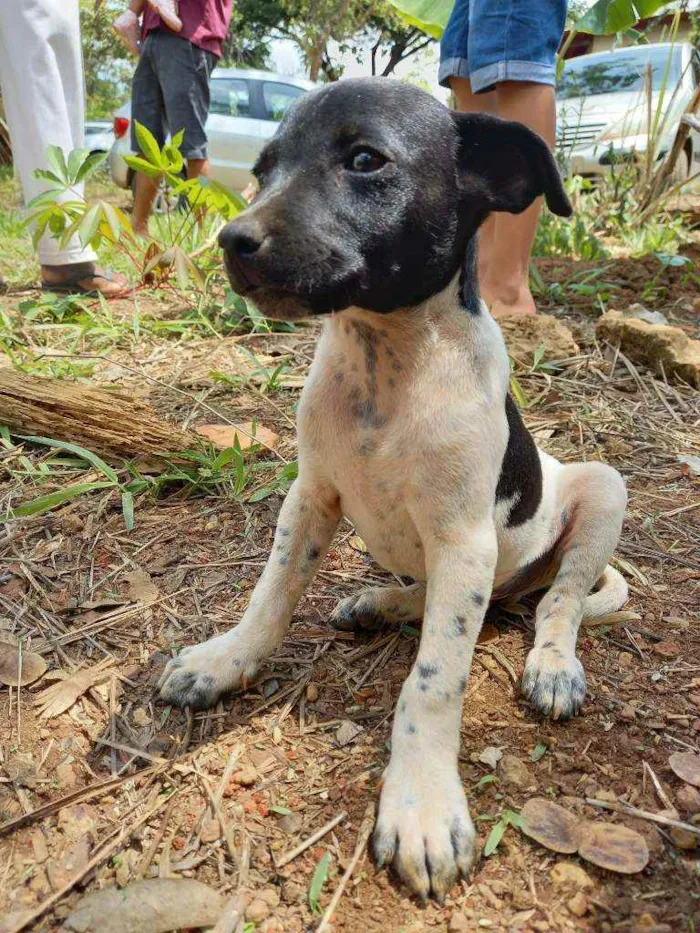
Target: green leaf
[(87, 455), (283, 811), (141, 165), (607, 17), (485, 781), (494, 837), (76, 157), (128, 509), (46, 175), (50, 501), (430, 16), (317, 882), (177, 139), (148, 145), (57, 163), (538, 751), (518, 393), (90, 165), (89, 224)]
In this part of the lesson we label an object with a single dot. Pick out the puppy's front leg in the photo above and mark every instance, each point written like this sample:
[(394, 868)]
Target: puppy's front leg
[(307, 522), (424, 825)]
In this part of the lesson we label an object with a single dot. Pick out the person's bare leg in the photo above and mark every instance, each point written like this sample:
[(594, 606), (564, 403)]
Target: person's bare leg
[(145, 192), (505, 286), (469, 102)]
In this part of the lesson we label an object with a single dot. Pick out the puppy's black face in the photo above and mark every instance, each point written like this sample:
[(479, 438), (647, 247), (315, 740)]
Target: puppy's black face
[(369, 194)]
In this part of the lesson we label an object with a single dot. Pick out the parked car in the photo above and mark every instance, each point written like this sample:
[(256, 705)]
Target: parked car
[(99, 135), (603, 106), (246, 107)]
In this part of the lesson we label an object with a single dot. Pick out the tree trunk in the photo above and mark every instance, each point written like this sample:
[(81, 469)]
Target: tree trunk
[(112, 424)]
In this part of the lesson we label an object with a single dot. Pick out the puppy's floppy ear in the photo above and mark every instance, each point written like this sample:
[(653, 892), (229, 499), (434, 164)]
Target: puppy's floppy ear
[(506, 166)]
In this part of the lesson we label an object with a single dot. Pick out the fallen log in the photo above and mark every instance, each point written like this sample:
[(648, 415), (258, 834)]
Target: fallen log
[(111, 423)]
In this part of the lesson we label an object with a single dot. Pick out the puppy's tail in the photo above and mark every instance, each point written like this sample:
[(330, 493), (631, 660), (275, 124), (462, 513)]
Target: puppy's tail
[(610, 596)]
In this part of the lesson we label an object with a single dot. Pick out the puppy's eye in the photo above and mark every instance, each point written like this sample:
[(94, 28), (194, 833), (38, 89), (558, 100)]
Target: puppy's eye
[(366, 160)]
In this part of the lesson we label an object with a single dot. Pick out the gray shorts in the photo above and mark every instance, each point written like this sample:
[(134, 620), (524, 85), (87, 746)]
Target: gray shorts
[(170, 91)]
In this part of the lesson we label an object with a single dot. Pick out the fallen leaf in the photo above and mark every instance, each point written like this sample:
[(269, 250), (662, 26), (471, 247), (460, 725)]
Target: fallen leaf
[(491, 755), (62, 695), (357, 544), (153, 906), (686, 765), (225, 435), (18, 667), (141, 587), (615, 847), (551, 825)]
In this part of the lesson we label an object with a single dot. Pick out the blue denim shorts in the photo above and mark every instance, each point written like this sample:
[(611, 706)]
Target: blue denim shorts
[(489, 41)]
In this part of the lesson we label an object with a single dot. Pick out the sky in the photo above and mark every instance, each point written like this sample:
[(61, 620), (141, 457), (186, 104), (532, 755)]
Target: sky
[(423, 67)]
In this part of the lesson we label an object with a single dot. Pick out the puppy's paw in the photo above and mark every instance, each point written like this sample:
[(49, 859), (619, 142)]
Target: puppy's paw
[(199, 675), (424, 830), (554, 681), (355, 612)]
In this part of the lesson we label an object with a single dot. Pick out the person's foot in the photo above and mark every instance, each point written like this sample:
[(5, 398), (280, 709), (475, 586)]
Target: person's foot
[(127, 28), (168, 12), (83, 278), (505, 300)]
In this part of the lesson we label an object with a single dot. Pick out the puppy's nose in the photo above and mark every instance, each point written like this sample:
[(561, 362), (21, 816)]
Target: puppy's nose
[(241, 239)]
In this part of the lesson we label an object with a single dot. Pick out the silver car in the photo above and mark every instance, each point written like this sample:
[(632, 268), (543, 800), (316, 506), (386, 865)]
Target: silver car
[(246, 107), (603, 106)]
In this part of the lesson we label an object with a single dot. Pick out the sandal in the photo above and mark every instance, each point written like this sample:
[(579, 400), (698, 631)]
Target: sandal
[(73, 286)]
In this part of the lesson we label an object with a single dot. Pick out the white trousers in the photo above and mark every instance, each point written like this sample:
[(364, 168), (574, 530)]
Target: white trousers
[(41, 75)]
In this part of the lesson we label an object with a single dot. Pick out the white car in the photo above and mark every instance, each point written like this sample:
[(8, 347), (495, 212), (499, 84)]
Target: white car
[(99, 136), (603, 107), (246, 107)]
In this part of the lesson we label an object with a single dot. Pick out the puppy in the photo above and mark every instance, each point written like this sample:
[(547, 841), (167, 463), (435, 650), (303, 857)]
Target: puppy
[(371, 194)]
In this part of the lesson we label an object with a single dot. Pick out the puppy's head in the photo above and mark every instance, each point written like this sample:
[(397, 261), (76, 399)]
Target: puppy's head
[(369, 194)]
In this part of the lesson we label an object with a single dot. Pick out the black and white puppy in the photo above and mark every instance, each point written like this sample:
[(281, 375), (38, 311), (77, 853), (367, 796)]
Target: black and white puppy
[(371, 194)]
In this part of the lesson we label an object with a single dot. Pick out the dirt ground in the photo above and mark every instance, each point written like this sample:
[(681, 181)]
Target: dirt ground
[(119, 787)]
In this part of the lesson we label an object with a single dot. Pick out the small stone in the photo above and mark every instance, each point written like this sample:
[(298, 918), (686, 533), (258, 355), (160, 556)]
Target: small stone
[(683, 839), (347, 732), (246, 776), (570, 873), (667, 649), (271, 896), (458, 924), (578, 904), (292, 892), (121, 875), (271, 925), (312, 693), (688, 798), (607, 795), (257, 911), (290, 823), (513, 771), (41, 852), (65, 775), (628, 712), (211, 831), (78, 821), (141, 717), (625, 659)]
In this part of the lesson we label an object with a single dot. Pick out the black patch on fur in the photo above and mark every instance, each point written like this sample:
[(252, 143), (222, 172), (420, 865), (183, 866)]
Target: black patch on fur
[(427, 670), (459, 625), (313, 552), (284, 561), (411, 729), (478, 599), (548, 644), (468, 280), (521, 472), (284, 532), (462, 684)]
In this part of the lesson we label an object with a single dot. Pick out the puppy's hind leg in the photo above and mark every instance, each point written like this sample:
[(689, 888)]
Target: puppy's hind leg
[(593, 499), (379, 605)]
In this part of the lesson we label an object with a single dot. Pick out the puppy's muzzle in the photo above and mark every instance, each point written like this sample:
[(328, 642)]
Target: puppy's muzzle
[(242, 242)]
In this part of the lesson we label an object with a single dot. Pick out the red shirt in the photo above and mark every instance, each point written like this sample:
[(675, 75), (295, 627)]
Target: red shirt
[(204, 22)]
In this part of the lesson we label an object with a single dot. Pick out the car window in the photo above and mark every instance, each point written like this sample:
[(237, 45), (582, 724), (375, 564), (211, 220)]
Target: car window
[(278, 98), (610, 72), (230, 96)]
